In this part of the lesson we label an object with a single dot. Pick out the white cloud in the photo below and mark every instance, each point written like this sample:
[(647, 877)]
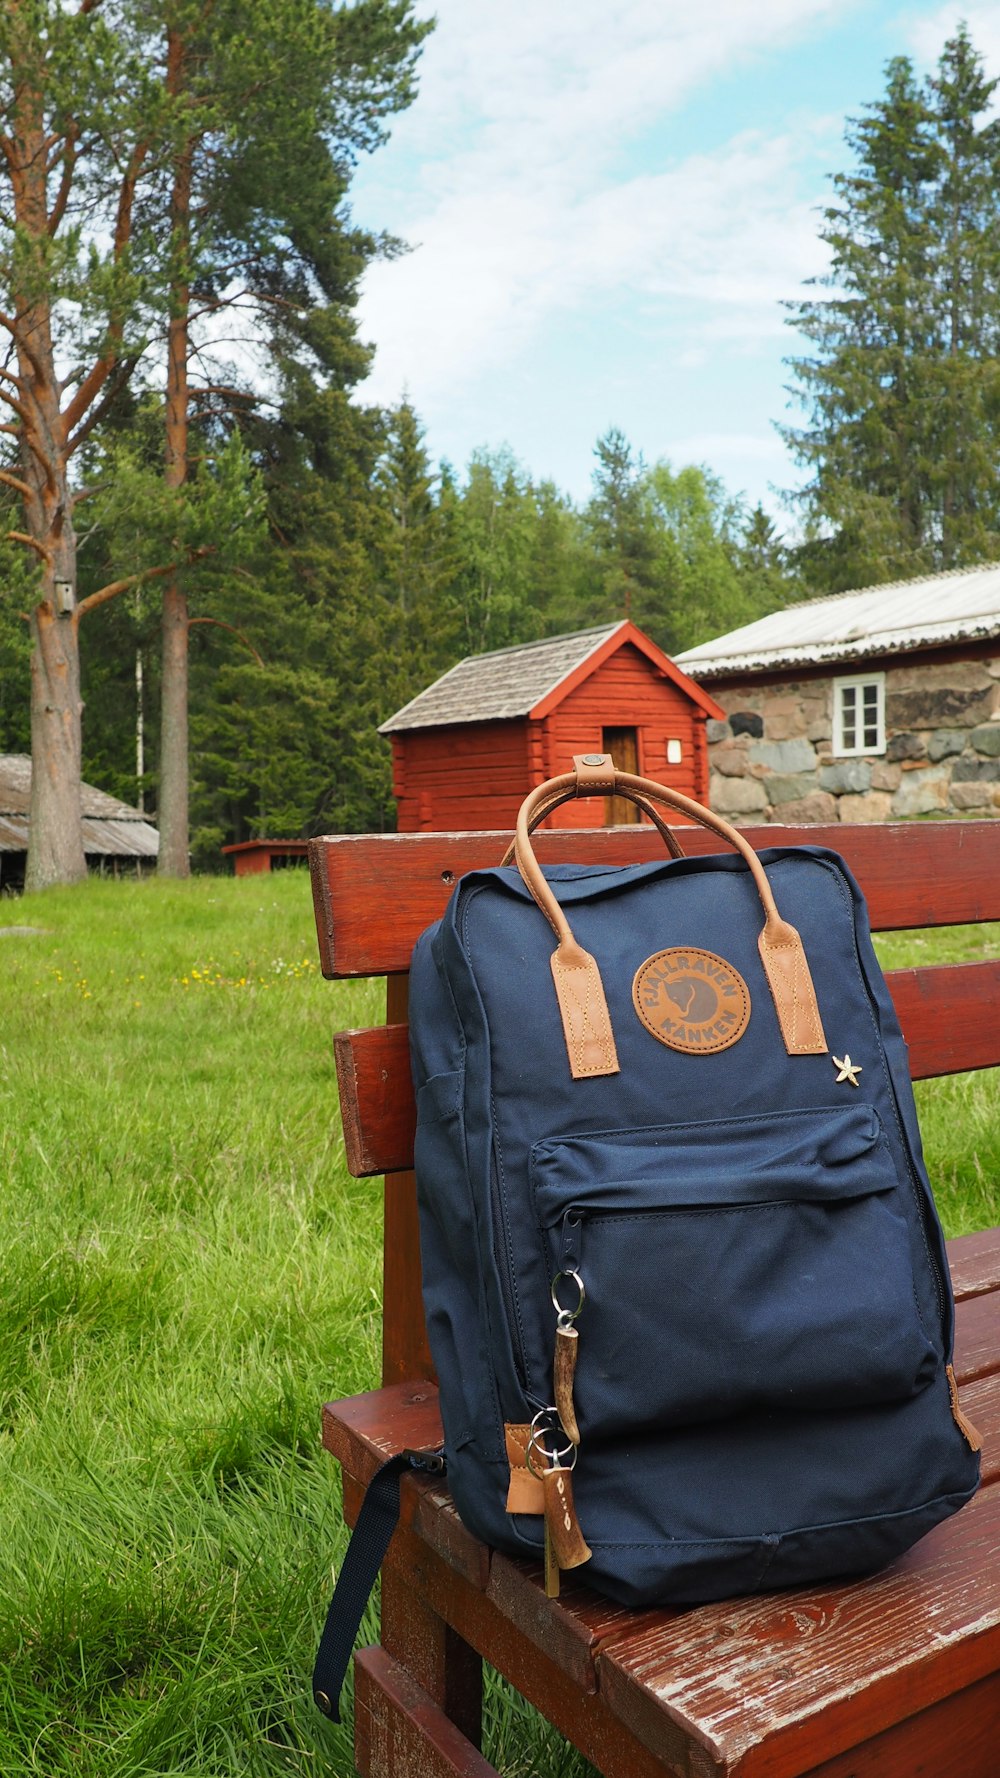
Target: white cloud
[(536, 181), (927, 36), (714, 447), (719, 233)]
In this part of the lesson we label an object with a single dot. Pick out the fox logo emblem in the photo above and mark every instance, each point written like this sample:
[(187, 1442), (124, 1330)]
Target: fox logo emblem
[(691, 1000)]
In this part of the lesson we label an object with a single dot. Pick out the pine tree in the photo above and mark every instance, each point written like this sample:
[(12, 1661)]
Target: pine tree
[(867, 385), (965, 230), (767, 567), (271, 101), (416, 558), (491, 526), (78, 126), (902, 390), (621, 529)]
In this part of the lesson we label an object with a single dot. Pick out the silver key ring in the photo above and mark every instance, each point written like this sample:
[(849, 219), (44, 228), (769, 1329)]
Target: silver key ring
[(538, 1433), (568, 1316)]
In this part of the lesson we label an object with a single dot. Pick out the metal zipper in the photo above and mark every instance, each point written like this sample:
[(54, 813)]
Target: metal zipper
[(505, 1269)]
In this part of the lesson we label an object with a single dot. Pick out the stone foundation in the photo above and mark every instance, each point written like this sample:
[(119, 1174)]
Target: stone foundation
[(773, 759)]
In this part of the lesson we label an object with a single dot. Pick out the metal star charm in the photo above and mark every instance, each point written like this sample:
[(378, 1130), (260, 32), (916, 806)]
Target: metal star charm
[(848, 1070)]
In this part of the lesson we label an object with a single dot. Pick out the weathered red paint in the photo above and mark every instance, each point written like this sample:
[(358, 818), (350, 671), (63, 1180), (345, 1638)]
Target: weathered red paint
[(474, 775)]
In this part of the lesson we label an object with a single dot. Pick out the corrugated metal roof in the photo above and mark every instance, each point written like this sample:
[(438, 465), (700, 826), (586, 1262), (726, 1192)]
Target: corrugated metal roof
[(905, 614), (121, 839), (109, 826), (509, 682), (13, 834)]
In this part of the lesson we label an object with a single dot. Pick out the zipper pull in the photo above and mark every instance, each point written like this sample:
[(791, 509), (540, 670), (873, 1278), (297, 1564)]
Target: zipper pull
[(567, 1344)]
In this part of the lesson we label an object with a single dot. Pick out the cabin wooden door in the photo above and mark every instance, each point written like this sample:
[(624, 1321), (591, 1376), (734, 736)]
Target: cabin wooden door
[(623, 746)]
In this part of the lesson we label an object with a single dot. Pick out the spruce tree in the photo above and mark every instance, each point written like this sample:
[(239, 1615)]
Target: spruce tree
[(621, 529), (867, 386), (901, 389), (965, 231)]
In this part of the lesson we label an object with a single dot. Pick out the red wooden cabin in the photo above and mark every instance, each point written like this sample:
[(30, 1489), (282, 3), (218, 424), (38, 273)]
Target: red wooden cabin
[(466, 751)]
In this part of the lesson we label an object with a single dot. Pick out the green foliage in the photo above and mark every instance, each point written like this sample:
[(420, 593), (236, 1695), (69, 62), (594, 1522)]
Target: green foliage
[(376, 574), (698, 528), (490, 523), (18, 592), (903, 386)]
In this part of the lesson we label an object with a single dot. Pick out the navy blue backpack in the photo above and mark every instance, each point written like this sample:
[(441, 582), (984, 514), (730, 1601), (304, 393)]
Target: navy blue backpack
[(685, 1284)]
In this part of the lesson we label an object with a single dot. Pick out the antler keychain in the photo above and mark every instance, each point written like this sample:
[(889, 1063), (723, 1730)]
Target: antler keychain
[(564, 1542), (567, 1347)]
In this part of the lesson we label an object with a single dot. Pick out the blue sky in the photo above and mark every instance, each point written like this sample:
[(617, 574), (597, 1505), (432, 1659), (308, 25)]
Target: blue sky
[(607, 202)]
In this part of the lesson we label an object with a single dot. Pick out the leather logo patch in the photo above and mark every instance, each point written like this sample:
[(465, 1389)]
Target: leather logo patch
[(691, 1000)]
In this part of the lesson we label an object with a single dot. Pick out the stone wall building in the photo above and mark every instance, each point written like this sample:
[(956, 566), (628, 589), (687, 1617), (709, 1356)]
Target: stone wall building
[(879, 705)]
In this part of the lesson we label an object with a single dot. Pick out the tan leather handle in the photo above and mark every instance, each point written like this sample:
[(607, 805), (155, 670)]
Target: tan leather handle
[(670, 839), (586, 1022)]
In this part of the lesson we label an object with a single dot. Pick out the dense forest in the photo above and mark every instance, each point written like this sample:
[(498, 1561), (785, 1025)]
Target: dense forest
[(266, 566)]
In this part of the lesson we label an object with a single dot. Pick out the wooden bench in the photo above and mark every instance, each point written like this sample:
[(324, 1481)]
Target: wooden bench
[(890, 1677)]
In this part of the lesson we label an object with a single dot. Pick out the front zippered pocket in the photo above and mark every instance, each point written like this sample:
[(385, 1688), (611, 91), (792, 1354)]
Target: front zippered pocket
[(749, 1265)]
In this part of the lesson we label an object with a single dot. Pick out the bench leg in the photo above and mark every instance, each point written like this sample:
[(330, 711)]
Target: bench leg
[(399, 1731), (431, 1653)]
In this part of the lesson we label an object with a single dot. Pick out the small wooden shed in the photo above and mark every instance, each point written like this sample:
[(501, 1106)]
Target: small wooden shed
[(116, 837), (468, 749)]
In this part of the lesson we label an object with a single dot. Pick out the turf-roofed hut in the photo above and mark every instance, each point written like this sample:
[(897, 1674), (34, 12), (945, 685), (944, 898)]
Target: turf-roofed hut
[(468, 749), (116, 837)]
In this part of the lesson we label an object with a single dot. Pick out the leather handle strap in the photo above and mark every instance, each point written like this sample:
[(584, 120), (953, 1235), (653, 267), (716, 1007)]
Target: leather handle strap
[(586, 1022), (670, 839)]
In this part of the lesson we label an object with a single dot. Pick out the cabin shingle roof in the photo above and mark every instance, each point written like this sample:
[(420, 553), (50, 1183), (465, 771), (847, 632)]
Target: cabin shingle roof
[(507, 683)]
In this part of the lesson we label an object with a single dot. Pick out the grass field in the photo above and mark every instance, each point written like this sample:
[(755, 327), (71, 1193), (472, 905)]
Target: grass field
[(187, 1273)]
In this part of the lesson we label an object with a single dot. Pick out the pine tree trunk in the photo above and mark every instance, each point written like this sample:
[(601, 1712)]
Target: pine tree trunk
[(55, 834), (55, 845), (174, 859)]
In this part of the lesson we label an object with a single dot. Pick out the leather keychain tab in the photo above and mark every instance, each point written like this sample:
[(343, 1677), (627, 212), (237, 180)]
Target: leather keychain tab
[(594, 771)]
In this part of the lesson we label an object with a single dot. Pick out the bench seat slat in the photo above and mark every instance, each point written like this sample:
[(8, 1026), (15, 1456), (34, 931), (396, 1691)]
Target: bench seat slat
[(956, 1738), (946, 1011), (744, 1681), (977, 1337), (374, 894), (975, 1263), (754, 1678)]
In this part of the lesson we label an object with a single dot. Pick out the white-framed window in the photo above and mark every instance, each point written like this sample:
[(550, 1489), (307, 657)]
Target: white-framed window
[(859, 714)]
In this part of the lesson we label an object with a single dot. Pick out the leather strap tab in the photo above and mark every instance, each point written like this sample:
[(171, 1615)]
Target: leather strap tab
[(973, 1439), (594, 771), (590, 1042), (525, 1493), (791, 985)]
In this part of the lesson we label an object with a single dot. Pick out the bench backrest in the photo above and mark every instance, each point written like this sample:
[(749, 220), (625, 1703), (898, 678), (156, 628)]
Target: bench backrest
[(374, 894)]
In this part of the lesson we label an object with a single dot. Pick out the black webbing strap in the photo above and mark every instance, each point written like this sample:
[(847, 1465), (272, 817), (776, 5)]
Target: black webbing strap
[(370, 1538)]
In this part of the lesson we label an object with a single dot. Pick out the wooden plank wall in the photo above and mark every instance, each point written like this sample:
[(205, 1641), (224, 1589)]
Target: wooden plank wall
[(627, 692)]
